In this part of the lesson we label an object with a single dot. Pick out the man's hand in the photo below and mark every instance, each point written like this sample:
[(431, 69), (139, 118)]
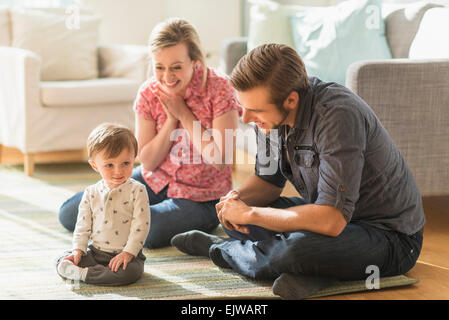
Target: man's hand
[(122, 258), (231, 210), (75, 257)]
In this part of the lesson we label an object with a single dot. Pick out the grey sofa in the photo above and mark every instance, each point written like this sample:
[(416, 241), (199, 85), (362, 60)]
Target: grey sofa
[(410, 97)]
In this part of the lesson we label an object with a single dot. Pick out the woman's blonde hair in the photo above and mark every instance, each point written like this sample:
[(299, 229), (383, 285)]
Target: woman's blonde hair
[(174, 31)]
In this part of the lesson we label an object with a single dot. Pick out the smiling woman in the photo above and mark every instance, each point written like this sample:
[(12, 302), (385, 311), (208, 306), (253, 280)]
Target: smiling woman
[(183, 94)]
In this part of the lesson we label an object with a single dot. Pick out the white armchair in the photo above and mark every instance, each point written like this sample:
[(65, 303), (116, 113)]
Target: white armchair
[(42, 116)]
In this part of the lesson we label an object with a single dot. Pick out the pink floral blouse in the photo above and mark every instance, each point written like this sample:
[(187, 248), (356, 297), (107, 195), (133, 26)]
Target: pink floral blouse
[(185, 172)]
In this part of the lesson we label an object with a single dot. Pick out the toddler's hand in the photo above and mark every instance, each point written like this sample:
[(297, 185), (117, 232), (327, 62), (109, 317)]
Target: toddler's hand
[(75, 257), (122, 258)]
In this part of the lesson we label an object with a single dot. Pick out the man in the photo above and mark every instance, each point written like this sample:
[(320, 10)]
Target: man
[(359, 206)]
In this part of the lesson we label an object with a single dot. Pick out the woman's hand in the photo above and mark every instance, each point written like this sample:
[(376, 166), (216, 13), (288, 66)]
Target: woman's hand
[(173, 104), (122, 258)]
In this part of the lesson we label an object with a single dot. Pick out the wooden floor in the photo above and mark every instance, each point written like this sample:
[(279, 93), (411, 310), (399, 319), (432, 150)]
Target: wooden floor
[(432, 268)]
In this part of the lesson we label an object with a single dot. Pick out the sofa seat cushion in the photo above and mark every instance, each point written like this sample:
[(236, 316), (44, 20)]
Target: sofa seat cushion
[(88, 92)]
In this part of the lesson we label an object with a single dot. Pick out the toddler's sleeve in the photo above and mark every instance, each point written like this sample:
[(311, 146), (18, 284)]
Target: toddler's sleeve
[(83, 228), (140, 224)]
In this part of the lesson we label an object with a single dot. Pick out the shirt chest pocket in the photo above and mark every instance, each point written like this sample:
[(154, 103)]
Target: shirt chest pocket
[(305, 169)]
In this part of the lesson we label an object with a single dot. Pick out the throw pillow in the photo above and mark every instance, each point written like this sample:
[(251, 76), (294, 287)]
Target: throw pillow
[(68, 52), (428, 42), (401, 26), (329, 39), (269, 22)]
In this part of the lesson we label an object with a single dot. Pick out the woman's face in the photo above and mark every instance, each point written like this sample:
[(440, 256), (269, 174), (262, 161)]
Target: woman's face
[(173, 68)]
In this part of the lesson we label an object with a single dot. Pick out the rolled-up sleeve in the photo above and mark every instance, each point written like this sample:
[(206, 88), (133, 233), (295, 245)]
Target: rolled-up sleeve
[(341, 143)]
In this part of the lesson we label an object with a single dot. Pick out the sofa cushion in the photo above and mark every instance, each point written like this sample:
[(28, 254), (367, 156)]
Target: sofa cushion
[(120, 61), (88, 92), (401, 27), (4, 26), (428, 42), (332, 38), (67, 52)]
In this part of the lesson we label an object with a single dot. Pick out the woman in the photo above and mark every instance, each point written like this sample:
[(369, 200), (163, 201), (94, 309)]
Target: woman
[(184, 178)]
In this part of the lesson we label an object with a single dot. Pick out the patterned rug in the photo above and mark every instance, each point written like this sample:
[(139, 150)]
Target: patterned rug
[(31, 239)]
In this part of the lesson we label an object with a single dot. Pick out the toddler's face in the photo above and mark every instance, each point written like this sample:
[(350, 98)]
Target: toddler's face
[(114, 171)]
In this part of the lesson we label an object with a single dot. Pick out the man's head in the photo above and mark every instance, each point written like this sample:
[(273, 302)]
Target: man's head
[(112, 150), (269, 80)]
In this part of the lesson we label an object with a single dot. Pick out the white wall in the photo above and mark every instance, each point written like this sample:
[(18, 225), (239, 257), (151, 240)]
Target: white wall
[(214, 20), (131, 21)]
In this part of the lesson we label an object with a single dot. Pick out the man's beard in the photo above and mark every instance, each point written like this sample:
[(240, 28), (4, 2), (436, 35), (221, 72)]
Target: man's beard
[(284, 113)]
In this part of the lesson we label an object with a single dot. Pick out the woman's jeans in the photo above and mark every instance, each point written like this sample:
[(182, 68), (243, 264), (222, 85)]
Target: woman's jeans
[(353, 255), (169, 216)]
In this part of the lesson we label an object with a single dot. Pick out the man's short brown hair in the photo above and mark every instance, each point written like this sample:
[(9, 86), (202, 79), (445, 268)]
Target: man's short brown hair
[(113, 138), (275, 66)]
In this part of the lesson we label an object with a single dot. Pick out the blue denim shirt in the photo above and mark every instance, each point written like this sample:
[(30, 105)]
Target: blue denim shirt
[(341, 155)]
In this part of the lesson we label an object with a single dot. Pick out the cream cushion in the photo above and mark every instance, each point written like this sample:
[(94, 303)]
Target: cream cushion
[(119, 61), (431, 41), (269, 22), (66, 53), (4, 26), (88, 92)]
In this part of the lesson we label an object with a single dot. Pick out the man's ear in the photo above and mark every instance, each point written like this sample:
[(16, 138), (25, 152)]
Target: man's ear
[(93, 165), (292, 100)]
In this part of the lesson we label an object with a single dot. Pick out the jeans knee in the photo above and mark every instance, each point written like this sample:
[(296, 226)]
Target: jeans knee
[(65, 220), (68, 212), (156, 240)]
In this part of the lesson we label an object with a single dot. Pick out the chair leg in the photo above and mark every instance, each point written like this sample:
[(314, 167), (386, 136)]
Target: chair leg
[(29, 164)]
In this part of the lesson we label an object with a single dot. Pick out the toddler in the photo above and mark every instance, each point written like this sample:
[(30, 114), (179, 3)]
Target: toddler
[(114, 214)]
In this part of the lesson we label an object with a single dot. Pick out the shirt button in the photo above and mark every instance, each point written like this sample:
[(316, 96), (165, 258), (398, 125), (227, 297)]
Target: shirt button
[(342, 189)]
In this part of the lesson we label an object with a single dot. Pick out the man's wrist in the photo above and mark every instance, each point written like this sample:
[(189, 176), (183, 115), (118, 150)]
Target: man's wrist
[(252, 215)]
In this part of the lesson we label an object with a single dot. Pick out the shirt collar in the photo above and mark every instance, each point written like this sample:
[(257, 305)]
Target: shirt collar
[(104, 188), (304, 112)]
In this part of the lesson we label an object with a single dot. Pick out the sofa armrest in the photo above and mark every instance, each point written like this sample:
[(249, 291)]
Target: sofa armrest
[(124, 61), (231, 52), (411, 99), (19, 94)]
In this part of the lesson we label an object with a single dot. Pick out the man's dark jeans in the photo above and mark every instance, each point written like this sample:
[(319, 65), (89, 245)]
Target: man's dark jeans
[(264, 254)]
